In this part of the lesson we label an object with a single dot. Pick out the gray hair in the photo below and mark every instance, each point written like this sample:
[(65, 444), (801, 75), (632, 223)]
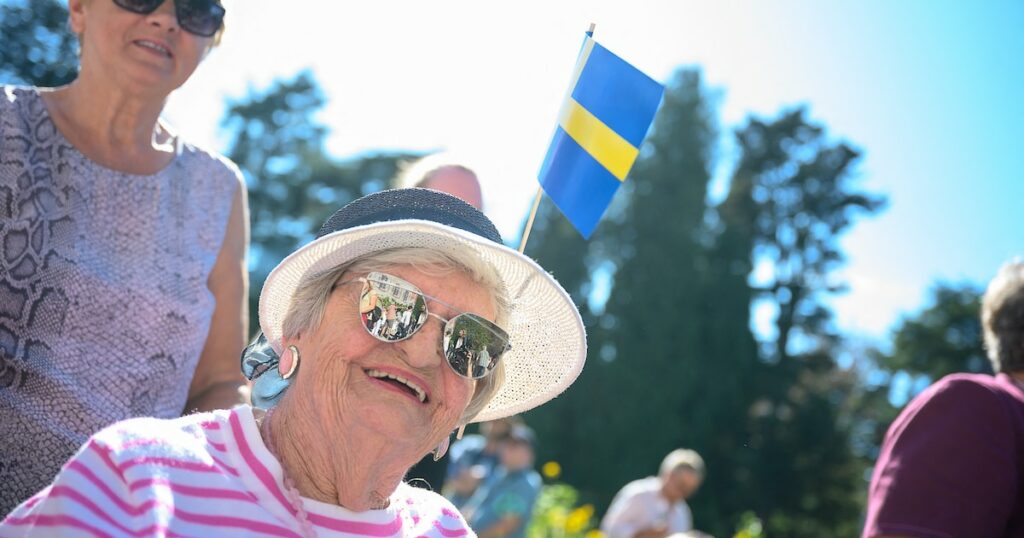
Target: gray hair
[(306, 311), (1002, 318), (682, 458)]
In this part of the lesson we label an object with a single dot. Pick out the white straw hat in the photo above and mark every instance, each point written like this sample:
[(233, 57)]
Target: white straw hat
[(545, 330)]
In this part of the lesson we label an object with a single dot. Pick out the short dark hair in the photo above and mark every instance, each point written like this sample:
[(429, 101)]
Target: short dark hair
[(1002, 318)]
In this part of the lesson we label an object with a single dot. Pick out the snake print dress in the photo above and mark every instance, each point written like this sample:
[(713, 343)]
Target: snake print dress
[(104, 305)]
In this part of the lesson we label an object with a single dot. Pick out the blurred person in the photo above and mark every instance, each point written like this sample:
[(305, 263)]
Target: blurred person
[(347, 412), (501, 507), (655, 507), (474, 458), (952, 463), (443, 172), (124, 276)]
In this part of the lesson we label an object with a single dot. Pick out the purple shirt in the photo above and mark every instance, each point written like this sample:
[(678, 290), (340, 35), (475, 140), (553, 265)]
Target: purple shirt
[(952, 464)]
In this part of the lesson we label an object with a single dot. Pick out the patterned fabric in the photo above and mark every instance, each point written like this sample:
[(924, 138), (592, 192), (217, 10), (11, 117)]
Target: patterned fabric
[(104, 305), (204, 475)]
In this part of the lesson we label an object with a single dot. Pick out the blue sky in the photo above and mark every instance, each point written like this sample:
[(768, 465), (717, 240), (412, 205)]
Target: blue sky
[(929, 90)]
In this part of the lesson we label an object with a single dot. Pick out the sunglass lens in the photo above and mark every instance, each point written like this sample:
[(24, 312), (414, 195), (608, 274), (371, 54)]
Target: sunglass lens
[(473, 345), (201, 17), (391, 308), (139, 6)]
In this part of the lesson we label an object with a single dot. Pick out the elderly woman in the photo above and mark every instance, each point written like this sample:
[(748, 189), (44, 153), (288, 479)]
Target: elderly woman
[(122, 279), (349, 411)]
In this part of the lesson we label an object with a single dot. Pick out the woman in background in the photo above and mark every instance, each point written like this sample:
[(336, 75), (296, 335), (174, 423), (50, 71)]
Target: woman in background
[(122, 280)]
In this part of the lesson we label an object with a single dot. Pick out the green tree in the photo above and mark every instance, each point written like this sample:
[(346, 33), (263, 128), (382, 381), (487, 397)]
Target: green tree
[(794, 189), (801, 183), (38, 48), (943, 338)]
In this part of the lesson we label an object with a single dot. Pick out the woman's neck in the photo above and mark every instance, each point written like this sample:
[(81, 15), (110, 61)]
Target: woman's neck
[(358, 472), (110, 126)]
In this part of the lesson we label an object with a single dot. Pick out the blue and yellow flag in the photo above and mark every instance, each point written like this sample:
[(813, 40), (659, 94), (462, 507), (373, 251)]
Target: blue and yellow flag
[(605, 116)]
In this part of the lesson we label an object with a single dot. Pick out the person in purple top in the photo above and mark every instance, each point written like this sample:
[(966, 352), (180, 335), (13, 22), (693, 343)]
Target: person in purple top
[(952, 463)]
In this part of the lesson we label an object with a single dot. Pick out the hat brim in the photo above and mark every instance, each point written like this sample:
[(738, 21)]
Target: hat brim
[(546, 332)]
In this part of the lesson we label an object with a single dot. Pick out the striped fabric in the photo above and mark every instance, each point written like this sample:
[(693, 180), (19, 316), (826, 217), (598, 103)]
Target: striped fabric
[(203, 475)]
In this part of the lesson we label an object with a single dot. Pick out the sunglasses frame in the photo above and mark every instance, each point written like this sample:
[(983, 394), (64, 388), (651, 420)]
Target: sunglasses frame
[(181, 10), (448, 324)]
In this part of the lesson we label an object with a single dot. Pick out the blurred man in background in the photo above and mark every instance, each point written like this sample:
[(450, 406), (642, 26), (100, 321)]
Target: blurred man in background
[(655, 507)]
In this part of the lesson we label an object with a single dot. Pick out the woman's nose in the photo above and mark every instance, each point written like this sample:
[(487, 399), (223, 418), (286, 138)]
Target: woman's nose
[(164, 17), (423, 349)]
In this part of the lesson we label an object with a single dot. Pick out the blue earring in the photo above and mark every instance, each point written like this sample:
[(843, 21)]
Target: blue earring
[(260, 366)]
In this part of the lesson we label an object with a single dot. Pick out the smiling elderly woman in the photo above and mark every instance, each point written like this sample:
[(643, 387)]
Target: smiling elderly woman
[(350, 408)]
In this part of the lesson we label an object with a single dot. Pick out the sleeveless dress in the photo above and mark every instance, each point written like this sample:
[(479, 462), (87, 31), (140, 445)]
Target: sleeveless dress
[(104, 304)]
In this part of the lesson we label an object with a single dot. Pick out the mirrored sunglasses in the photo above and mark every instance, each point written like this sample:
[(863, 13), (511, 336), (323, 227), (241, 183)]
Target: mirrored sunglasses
[(200, 17), (391, 310)]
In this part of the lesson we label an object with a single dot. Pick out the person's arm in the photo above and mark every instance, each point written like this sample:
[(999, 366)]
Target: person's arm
[(946, 468), (217, 378)]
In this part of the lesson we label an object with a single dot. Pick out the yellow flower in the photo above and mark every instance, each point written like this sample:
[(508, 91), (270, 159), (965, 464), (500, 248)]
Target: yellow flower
[(552, 470), (579, 519), (594, 533)]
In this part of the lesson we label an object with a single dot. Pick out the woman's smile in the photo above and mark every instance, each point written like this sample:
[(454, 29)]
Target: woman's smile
[(400, 382)]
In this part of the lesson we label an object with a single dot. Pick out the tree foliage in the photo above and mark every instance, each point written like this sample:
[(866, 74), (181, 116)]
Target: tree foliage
[(942, 339), (38, 47), (800, 183), (797, 188)]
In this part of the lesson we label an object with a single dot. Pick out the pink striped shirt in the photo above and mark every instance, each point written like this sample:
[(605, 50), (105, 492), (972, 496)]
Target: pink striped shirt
[(203, 475)]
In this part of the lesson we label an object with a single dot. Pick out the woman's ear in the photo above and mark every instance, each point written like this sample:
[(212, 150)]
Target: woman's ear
[(76, 18)]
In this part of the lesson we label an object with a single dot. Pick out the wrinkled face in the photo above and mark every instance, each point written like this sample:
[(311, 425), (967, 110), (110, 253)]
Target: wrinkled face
[(142, 54), (355, 381), (456, 182)]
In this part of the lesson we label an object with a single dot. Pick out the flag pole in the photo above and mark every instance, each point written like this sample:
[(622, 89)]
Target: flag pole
[(540, 190), (529, 221)]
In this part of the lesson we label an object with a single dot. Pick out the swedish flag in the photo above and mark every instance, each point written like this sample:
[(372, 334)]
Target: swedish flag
[(605, 116)]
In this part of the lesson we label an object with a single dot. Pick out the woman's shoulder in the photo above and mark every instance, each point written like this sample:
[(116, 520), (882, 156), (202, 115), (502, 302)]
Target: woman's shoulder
[(205, 163), (12, 93), (183, 438), (19, 101), (964, 387)]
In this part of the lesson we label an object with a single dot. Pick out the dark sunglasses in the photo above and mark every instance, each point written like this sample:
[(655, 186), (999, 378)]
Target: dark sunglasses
[(392, 310), (200, 17)]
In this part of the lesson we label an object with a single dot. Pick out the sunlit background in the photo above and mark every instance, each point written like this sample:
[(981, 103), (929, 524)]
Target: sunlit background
[(930, 91)]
